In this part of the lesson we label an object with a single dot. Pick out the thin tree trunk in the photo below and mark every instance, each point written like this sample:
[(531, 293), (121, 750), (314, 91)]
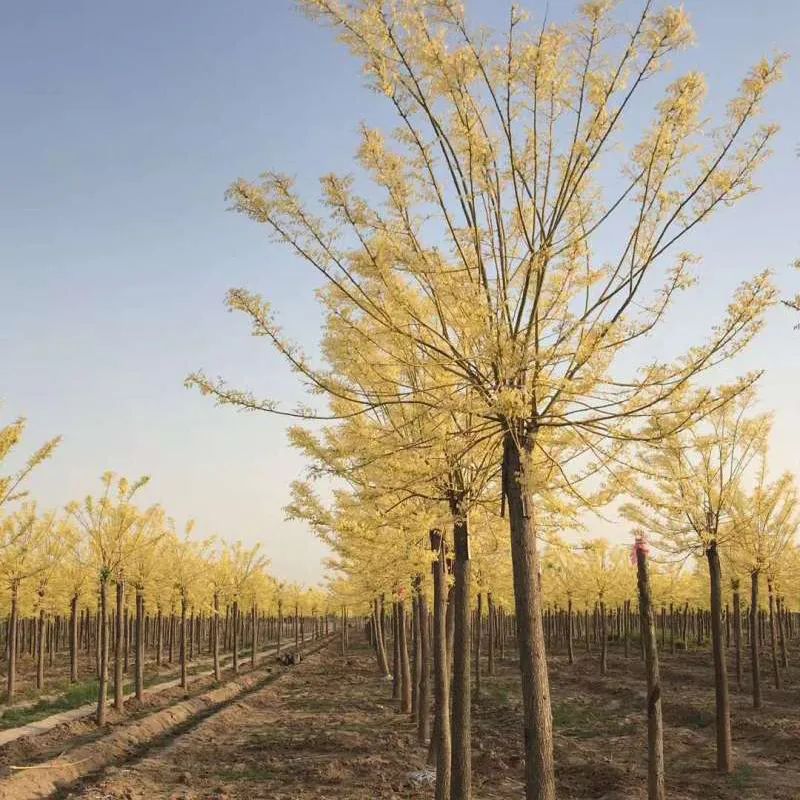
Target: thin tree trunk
[(492, 611), (253, 637), (40, 650), (782, 633), (215, 638), (773, 638), (405, 666), (755, 665), (603, 640), (737, 632), (11, 678), (477, 636), (139, 646), (423, 718), (461, 755), (441, 739), (655, 724), (102, 624), (235, 624), (119, 639), (723, 709), (182, 643), (280, 627)]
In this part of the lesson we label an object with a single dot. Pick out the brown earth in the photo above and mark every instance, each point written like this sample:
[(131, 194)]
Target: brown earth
[(328, 729)]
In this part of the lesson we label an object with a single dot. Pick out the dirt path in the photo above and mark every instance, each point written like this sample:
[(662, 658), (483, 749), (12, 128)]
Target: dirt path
[(328, 730)]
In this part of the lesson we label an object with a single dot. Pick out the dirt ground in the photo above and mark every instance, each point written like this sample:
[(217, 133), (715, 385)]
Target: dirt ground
[(329, 729)]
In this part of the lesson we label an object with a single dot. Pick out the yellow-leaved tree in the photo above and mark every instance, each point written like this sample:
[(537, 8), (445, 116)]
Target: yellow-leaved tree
[(496, 264)]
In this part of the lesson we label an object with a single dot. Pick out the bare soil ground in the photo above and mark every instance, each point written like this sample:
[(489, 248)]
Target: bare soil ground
[(329, 729)]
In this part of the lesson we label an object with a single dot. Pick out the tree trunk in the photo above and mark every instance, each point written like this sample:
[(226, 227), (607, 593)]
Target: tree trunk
[(570, 651), (280, 627), (253, 637), (441, 739), (380, 648), (73, 639), (235, 624), (102, 624), (215, 638), (655, 724), (119, 639), (40, 649), (755, 664), (492, 633), (478, 637), (182, 643), (737, 633), (773, 637), (139, 646), (603, 640), (395, 655), (405, 666), (424, 701), (11, 681), (537, 712), (461, 755), (723, 709), (782, 633)]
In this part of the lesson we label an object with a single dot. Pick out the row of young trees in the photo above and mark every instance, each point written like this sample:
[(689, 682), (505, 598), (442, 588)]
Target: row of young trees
[(172, 590), (488, 280)]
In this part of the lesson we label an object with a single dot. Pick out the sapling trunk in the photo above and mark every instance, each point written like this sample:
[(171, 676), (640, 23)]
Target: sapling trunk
[(737, 633), (139, 651), (182, 643), (423, 717), (441, 737), (655, 725), (235, 627), (477, 637), (73, 639), (773, 638), (40, 648), (253, 637), (723, 711), (782, 633), (102, 624), (405, 666), (461, 772), (11, 679), (603, 639), (492, 630), (119, 638), (395, 655), (215, 625), (755, 665)]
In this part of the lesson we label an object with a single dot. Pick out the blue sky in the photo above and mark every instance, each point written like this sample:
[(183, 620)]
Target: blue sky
[(123, 124)]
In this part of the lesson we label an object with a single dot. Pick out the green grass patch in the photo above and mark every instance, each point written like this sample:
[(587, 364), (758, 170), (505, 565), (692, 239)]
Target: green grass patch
[(75, 696)]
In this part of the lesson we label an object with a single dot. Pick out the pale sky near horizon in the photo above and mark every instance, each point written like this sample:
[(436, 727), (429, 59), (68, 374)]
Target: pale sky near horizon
[(123, 124)]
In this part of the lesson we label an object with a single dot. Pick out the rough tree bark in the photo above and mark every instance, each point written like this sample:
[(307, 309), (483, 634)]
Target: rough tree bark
[(537, 712)]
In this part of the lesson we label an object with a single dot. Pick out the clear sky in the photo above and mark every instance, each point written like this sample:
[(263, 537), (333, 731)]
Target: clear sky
[(122, 126)]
